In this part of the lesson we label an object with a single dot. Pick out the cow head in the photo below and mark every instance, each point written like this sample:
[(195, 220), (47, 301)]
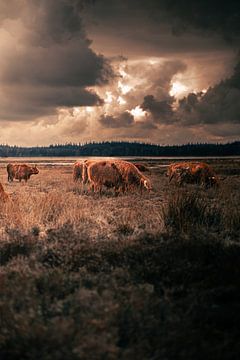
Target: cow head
[(34, 170), (146, 184), (213, 181)]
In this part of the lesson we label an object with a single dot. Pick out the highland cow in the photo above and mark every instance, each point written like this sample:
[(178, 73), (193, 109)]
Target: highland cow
[(192, 173), (21, 172)]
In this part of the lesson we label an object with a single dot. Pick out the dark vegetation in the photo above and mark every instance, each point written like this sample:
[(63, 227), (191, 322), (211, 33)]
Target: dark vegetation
[(172, 294), (123, 149)]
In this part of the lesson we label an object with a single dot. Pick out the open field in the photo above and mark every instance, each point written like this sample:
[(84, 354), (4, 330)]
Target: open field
[(152, 276)]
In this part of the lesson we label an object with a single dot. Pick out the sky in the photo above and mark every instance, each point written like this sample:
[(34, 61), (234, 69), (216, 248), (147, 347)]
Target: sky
[(159, 71)]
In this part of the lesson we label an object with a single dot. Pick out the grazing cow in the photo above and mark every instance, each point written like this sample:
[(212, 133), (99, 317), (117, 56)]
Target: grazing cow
[(78, 171), (192, 172), (103, 173), (124, 175), (21, 171), (4, 197), (132, 176)]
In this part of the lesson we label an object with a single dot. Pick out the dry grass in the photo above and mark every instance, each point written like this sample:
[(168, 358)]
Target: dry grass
[(52, 199), (90, 277)]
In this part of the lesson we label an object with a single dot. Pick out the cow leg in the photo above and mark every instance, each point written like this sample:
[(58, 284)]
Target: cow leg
[(81, 187), (116, 191), (91, 187), (171, 177)]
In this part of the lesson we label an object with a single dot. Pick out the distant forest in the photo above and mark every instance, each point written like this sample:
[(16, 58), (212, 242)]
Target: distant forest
[(122, 149)]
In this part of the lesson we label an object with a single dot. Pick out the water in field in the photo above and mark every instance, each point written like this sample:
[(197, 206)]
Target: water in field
[(69, 160)]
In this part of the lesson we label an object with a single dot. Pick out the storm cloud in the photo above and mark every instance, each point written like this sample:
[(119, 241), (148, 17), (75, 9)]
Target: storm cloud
[(158, 70), (220, 104), (47, 61), (161, 111), (124, 119)]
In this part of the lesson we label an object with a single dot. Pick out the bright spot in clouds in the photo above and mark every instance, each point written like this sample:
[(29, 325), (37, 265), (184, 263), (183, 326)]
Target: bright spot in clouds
[(124, 88), (123, 73), (137, 112), (89, 109), (121, 100), (109, 97), (177, 89)]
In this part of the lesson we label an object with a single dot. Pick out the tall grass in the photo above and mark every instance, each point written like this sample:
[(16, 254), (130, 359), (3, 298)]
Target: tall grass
[(97, 277), (97, 217), (189, 211)]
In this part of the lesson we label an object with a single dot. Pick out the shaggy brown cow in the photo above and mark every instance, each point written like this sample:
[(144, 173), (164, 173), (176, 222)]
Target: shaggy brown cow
[(4, 197), (174, 170), (103, 173), (132, 176), (193, 172), (21, 172), (78, 171), (124, 175)]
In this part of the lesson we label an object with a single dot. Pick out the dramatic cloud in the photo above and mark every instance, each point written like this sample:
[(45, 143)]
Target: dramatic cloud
[(222, 17), (122, 120), (46, 21), (150, 28), (165, 74), (161, 110), (46, 61), (220, 104)]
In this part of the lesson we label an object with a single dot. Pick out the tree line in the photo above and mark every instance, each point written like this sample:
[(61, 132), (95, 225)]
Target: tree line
[(122, 148)]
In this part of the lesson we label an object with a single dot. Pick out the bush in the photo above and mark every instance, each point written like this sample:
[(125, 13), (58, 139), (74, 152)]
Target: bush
[(188, 211)]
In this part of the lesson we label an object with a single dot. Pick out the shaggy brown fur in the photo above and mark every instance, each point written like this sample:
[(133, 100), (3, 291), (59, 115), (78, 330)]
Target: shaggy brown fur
[(193, 172), (4, 197), (78, 171), (104, 173), (118, 174), (132, 177), (20, 171)]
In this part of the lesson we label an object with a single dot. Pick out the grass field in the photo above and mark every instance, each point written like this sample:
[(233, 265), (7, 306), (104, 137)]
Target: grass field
[(152, 276)]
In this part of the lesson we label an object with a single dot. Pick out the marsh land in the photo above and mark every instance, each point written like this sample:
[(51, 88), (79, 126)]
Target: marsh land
[(151, 276)]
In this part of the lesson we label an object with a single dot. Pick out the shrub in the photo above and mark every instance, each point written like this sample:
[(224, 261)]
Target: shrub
[(188, 211)]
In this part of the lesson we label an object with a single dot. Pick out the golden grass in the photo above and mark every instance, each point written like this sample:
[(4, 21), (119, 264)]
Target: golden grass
[(51, 199), (85, 276)]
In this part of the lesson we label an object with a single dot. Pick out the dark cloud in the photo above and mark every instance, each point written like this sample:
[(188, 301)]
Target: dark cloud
[(162, 76), (149, 28), (161, 111), (33, 102), (124, 119), (47, 20), (48, 62), (214, 16), (220, 104), (221, 17), (48, 65), (73, 64)]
